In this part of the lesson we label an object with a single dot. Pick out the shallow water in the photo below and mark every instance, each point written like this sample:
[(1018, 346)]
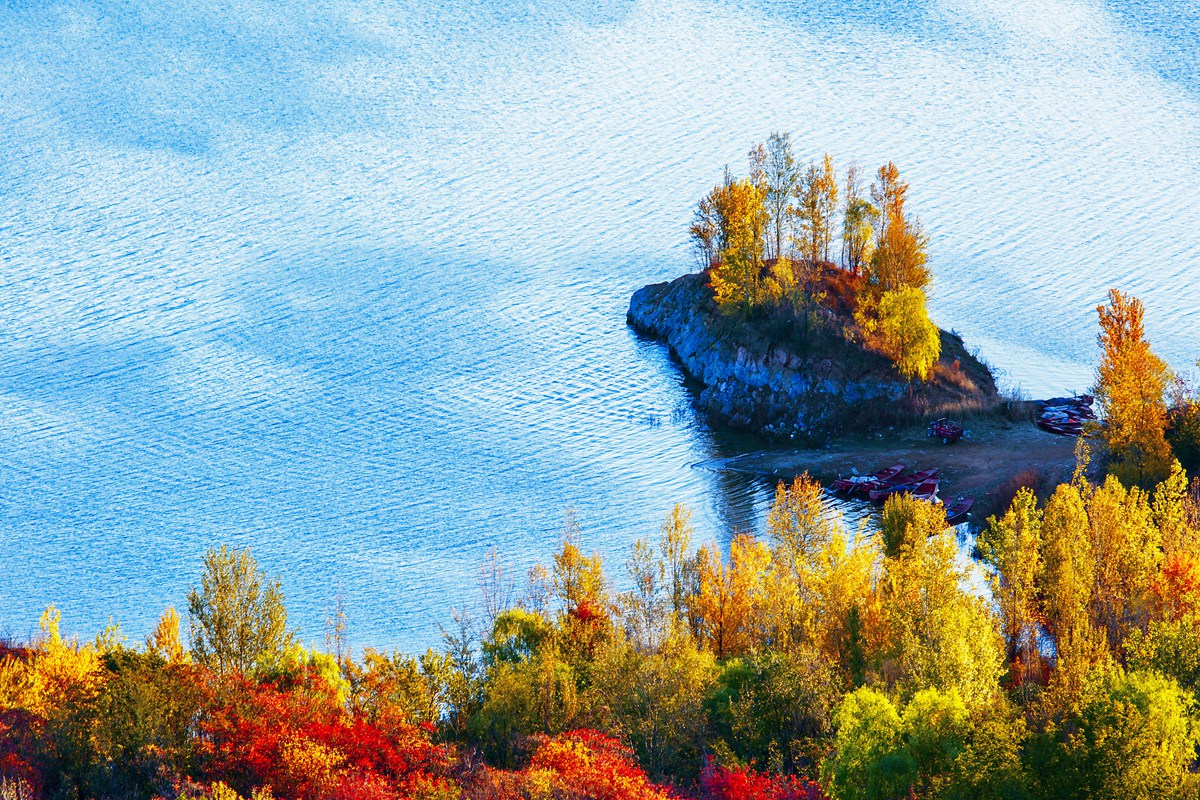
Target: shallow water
[(346, 281)]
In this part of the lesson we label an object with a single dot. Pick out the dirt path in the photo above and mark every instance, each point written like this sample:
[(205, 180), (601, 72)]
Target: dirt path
[(995, 452)]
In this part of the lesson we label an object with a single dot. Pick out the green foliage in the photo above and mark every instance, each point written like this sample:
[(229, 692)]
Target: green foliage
[(1170, 648), (936, 748), (656, 700), (516, 636), (775, 705), (1132, 735), (869, 762), (238, 620)]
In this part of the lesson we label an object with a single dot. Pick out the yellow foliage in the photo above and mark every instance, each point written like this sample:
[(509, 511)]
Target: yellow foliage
[(736, 279), (899, 327), (305, 762), (729, 597), (578, 578), (1131, 386), (166, 640), (58, 670)]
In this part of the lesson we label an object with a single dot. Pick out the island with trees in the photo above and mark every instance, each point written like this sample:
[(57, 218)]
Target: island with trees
[(798, 326)]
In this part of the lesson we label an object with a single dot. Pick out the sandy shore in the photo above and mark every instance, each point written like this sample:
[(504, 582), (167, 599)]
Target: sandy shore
[(995, 451)]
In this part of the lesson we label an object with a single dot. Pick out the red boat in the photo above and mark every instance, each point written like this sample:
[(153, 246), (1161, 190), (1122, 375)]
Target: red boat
[(927, 490), (902, 483), (956, 512), (864, 483), (949, 432)]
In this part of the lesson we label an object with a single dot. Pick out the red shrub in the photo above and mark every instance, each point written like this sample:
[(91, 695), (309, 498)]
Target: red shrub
[(723, 783)]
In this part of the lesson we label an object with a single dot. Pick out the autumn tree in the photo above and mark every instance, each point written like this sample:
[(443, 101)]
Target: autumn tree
[(706, 230), (729, 597), (1067, 578), (898, 326), (1130, 386), (782, 175), (799, 527), (736, 280), (644, 608), (1012, 544), (858, 223), (937, 634), (816, 196), (578, 579), (1127, 548), (675, 539), (165, 639), (899, 258), (237, 617)]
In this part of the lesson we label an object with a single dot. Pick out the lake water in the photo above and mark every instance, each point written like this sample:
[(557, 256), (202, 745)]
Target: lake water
[(346, 281)]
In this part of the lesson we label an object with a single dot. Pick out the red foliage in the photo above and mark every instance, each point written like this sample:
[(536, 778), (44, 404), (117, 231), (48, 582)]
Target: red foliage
[(586, 765), (590, 614), (723, 783), (1177, 590), (301, 743)]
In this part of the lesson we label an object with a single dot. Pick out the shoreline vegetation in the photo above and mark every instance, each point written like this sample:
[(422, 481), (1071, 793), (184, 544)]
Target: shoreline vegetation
[(812, 662)]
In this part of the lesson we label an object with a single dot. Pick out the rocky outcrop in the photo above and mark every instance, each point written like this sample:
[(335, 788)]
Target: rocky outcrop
[(755, 381)]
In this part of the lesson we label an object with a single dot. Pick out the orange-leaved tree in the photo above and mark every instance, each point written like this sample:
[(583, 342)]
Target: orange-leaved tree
[(1131, 383)]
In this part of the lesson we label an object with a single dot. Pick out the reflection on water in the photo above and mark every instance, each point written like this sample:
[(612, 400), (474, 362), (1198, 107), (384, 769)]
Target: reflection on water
[(346, 282)]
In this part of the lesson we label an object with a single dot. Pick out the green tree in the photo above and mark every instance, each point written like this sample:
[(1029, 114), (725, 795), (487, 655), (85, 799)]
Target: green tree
[(1132, 736), (869, 762), (656, 699), (238, 621), (775, 706)]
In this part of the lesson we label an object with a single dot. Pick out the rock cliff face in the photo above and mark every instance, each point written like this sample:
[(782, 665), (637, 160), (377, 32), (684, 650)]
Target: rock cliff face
[(756, 382)]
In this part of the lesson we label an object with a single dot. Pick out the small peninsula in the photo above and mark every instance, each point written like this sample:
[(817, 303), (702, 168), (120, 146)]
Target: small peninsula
[(773, 382)]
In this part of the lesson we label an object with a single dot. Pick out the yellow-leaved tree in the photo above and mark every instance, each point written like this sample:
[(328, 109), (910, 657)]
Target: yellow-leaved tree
[(899, 327), (1131, 384), (741, 209)]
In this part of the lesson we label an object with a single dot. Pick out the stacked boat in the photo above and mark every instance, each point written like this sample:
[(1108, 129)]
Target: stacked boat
[(880, 485), (1066, 416), (863, 484), (923, 485)]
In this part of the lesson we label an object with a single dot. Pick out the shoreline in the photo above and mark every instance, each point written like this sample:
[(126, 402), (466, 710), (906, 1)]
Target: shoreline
[(996, 455)]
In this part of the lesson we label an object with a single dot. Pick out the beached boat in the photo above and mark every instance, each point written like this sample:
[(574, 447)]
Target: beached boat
[(901, 483), (1066, 416), (861, 484), (956, 510), (927, 490)]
